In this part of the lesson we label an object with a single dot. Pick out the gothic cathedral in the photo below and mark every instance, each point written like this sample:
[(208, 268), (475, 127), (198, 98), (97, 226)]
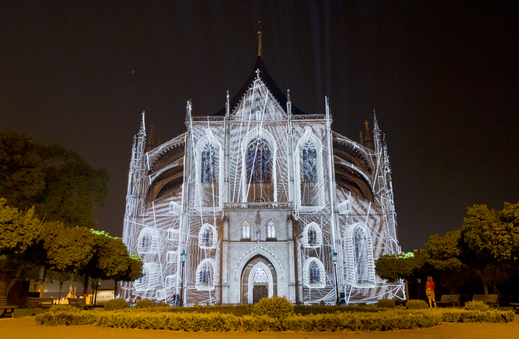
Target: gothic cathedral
[(260, 200)]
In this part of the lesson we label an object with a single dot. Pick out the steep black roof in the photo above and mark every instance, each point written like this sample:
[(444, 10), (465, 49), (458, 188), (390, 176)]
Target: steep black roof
[(271, 85)]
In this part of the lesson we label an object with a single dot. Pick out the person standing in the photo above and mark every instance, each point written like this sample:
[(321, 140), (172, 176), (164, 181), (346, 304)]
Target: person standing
[(429, 291)]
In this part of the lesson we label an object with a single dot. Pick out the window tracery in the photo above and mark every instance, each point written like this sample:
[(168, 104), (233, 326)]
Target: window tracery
[(259, 167), (309, 163), (207, 163)]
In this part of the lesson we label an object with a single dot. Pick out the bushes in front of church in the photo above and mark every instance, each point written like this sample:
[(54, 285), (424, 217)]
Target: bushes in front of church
[(415, 304), (145, 303), (386, 303), (115, 304), (220, 322), (275, 307)]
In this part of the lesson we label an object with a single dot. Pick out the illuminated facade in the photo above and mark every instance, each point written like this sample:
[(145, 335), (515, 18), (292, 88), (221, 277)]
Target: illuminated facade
[(259, 196)]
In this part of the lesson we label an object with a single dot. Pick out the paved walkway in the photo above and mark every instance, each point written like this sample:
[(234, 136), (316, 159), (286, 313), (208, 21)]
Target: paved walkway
[(25, 327)]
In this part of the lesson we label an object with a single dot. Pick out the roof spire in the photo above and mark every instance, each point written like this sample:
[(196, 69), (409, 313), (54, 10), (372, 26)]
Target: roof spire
[(367, 138), (259, 39)]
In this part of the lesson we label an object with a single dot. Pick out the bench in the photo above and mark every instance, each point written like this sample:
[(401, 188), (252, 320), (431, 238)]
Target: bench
[(489, 299), (7, 309), (36, 304), (78, 302), (448, 299)]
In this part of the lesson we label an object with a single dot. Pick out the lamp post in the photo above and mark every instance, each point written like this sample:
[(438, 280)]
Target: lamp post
[(334, 260), (183, 261)]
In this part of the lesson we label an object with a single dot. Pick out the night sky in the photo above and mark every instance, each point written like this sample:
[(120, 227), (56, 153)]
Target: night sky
[(443, 77)]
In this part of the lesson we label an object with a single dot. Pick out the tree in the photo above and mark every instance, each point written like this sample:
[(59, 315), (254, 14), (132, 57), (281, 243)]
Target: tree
[(393, 267), (444, 256), (491, 242), (19, 234), (111, 260), (60, 184)]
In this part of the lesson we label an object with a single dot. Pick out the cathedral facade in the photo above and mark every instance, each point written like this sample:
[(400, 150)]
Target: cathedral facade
[(260, 200)]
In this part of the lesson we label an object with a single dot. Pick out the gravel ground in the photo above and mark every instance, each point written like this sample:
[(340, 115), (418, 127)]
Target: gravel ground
[(25, 327)]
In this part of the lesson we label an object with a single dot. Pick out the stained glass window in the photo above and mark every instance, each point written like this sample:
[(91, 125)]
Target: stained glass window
[(309, 163), (208, 161), (360, 255), (259, 166), (260, 276), (314, 273), (312, 236), (145, 240), (205, 274), (206, 236)]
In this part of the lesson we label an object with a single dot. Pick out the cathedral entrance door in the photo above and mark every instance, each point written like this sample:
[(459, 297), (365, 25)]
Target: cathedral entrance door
[(258, 292), (258, 280)]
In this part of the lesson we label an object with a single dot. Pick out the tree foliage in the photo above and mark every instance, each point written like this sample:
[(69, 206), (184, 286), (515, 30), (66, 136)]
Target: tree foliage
[(400, 266), (19, 234), (58, 182), (25, 240)]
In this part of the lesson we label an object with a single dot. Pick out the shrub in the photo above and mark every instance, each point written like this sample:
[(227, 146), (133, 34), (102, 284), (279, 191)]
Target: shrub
[(275, 307), (476, 306), (415, 304), (145, 303), (386, 303), (116, 304), (162, 305), (64, 308)]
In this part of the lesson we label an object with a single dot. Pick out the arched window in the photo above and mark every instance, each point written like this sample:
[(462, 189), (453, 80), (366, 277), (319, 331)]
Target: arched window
[(245, 230), (309, 163), (361, 259), (204, 275), (259, 166), (208, 163), (207, 237), (312, 236), (260, 277), (145, 239), (271, 230), (314, 273)]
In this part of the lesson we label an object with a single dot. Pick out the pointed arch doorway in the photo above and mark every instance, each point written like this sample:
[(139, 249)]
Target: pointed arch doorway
[(258, 280)]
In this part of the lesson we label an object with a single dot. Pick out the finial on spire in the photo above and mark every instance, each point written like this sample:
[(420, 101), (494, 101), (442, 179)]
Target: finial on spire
[(259, 39), (367, 139), (258, 74), (375, 122), (227, 104)]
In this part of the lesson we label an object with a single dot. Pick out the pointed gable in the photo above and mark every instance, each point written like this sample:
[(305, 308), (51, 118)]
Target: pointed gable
[(267, 81)]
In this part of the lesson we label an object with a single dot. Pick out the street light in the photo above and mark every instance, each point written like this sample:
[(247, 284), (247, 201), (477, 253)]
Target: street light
[(334, 260), (183, 261)]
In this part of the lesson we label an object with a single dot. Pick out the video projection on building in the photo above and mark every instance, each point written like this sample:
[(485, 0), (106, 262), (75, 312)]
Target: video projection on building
[(260, 200)]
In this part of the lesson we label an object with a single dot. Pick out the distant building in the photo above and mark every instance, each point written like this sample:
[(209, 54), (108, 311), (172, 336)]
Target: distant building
[(259, 196)]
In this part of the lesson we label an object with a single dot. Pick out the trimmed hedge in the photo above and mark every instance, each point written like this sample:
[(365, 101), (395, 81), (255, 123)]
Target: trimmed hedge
[(221, 322)]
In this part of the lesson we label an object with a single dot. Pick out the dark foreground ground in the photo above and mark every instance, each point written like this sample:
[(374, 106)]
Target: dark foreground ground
[(25, 327)]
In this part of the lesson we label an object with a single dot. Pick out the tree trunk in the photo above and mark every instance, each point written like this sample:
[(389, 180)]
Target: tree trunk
[(43, 281), (95, 295), (406, 290), (59, 295), (485, 285), (85, 288), (5, 286), (115, 289)]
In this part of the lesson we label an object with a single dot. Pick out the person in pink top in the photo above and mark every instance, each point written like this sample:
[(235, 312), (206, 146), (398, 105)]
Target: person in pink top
[(429, 291)]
